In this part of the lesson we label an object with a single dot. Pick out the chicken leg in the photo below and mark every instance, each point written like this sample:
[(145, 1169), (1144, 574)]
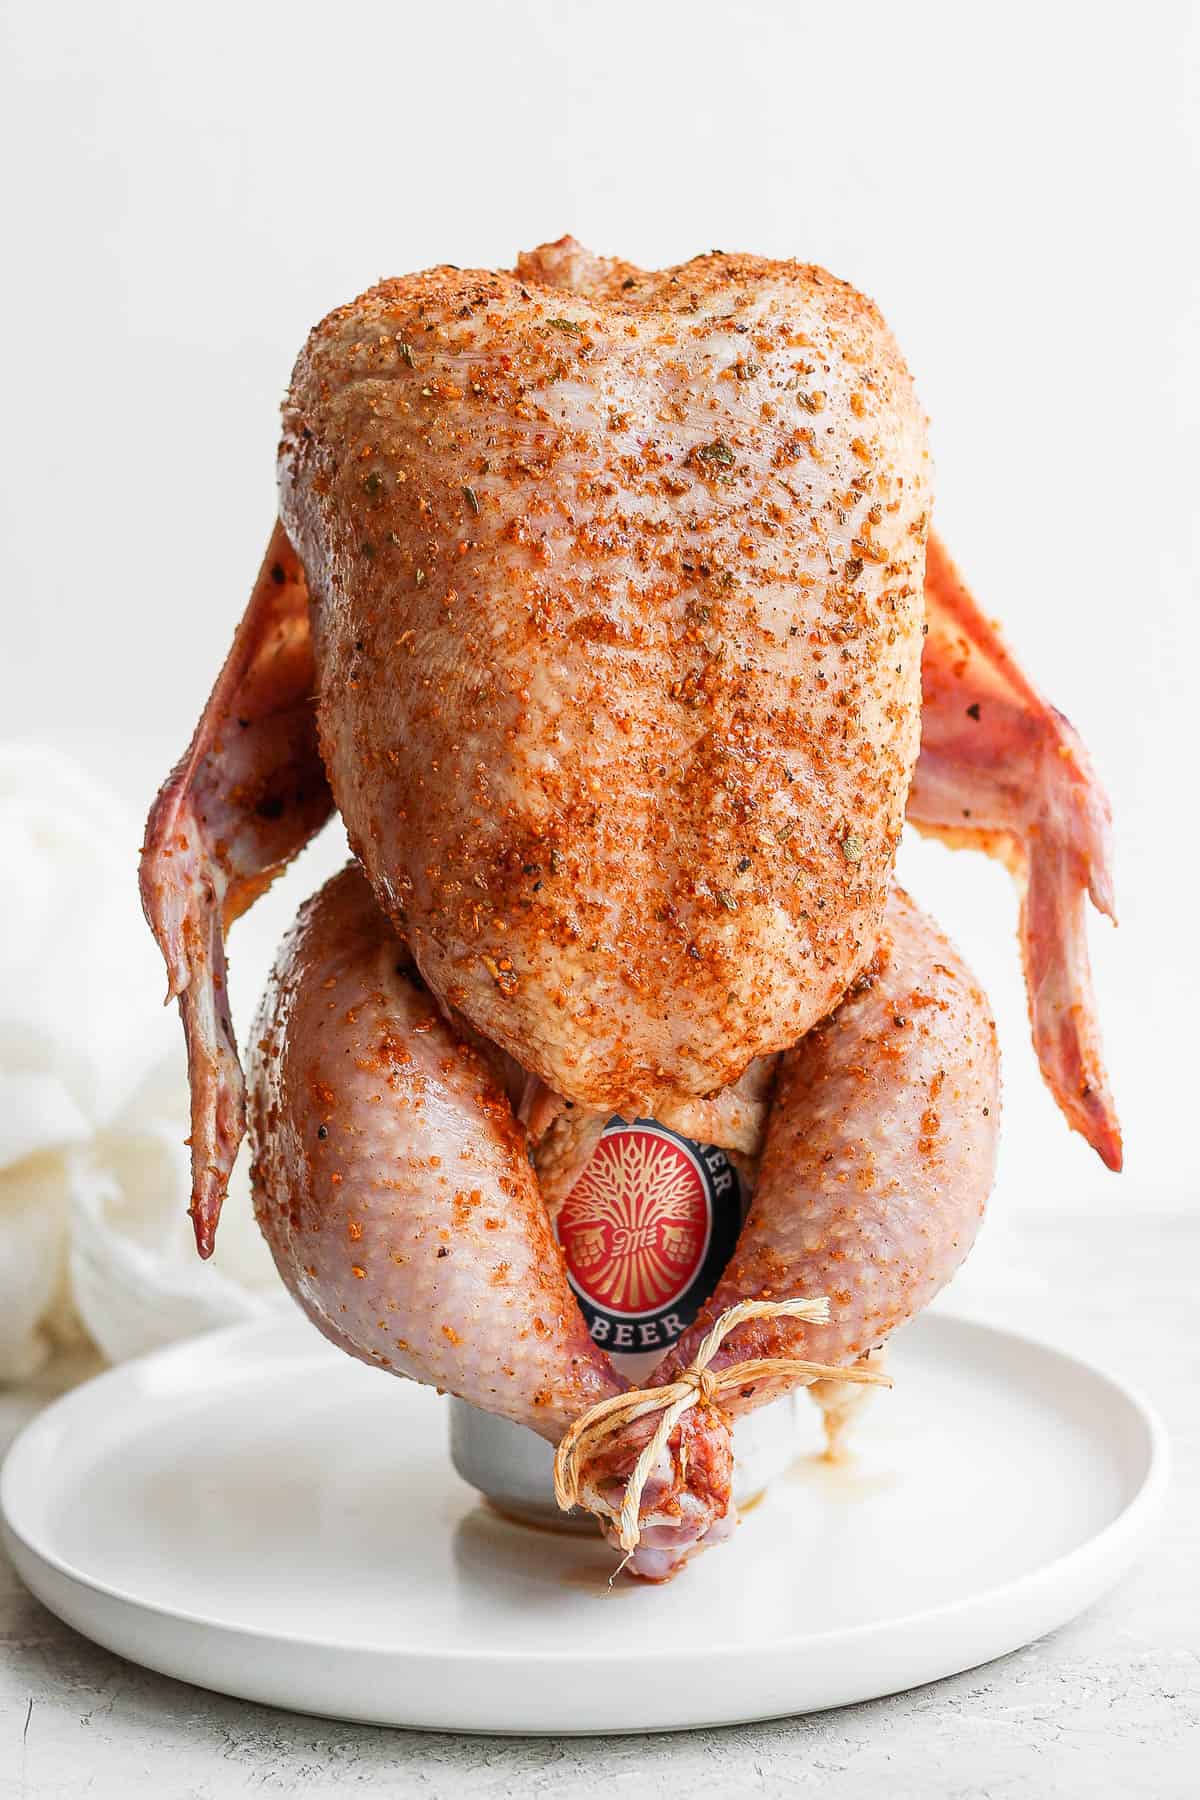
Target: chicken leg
[(392, 1185), (879, 1157)]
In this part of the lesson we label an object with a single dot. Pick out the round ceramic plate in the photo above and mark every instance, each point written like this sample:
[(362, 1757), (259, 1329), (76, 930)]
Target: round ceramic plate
[(256, 1513)]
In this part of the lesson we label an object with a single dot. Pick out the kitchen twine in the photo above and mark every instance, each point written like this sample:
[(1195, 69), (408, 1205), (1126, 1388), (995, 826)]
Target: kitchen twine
[(695, 1386)]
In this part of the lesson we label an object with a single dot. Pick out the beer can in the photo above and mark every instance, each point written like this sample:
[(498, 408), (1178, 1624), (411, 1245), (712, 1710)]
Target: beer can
[(646, 1232)]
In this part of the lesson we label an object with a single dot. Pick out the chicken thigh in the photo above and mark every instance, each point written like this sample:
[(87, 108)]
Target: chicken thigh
[(392, 1185)]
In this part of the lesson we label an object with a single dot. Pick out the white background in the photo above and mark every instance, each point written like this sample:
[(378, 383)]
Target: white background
[(190, 188)]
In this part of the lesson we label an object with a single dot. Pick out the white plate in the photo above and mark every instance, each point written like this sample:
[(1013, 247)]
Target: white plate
[(254, 1512)]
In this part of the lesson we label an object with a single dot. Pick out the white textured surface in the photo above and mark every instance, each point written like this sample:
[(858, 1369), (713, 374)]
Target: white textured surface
[(1110, 1705), (244, 1491)]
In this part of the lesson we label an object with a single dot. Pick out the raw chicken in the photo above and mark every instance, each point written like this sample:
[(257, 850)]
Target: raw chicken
[(393, 1188), (616, 601), (878, 1160), (1001, 770), (245, 798), (597, 604), (392, 1184)]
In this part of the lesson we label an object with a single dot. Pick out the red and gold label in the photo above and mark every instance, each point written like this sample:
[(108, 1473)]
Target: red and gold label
[(646, 1232)]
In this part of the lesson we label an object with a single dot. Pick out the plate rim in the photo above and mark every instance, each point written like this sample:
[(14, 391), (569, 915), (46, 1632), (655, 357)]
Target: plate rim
[(1105, 1545)]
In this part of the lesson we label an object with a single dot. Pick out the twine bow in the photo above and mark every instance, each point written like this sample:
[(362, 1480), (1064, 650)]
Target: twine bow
[(694, 1386)]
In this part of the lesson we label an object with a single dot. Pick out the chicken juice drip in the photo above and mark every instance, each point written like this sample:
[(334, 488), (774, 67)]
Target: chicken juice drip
[(646, 1232)]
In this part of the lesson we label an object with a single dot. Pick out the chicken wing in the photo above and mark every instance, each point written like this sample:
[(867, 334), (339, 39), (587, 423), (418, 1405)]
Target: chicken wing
[(244, 799), (1003, 771)]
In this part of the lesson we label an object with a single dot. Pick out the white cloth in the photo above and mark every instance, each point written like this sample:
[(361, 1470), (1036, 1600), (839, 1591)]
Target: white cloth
[(94, 1237)]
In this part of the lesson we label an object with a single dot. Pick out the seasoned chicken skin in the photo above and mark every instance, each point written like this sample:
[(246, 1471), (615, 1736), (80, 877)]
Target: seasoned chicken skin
[(658, 828), (879, 1156), (616, 601), (600, 606), (392, 1185)]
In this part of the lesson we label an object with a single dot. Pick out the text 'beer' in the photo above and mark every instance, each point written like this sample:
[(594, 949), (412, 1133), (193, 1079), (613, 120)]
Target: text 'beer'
[(646, 1233)]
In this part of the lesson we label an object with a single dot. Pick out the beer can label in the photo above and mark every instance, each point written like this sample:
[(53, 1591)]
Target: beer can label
[(646, 1233)]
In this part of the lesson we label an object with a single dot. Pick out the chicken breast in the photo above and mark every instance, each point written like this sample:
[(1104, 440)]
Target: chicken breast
[(616, 584)]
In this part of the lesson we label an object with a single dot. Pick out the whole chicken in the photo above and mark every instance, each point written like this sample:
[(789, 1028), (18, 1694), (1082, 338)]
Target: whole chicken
[(601, 605)]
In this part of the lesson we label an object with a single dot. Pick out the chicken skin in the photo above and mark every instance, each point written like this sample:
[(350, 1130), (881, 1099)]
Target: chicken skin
[(604, 608), (392, 1185), (656, 545), (1001, 770)]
